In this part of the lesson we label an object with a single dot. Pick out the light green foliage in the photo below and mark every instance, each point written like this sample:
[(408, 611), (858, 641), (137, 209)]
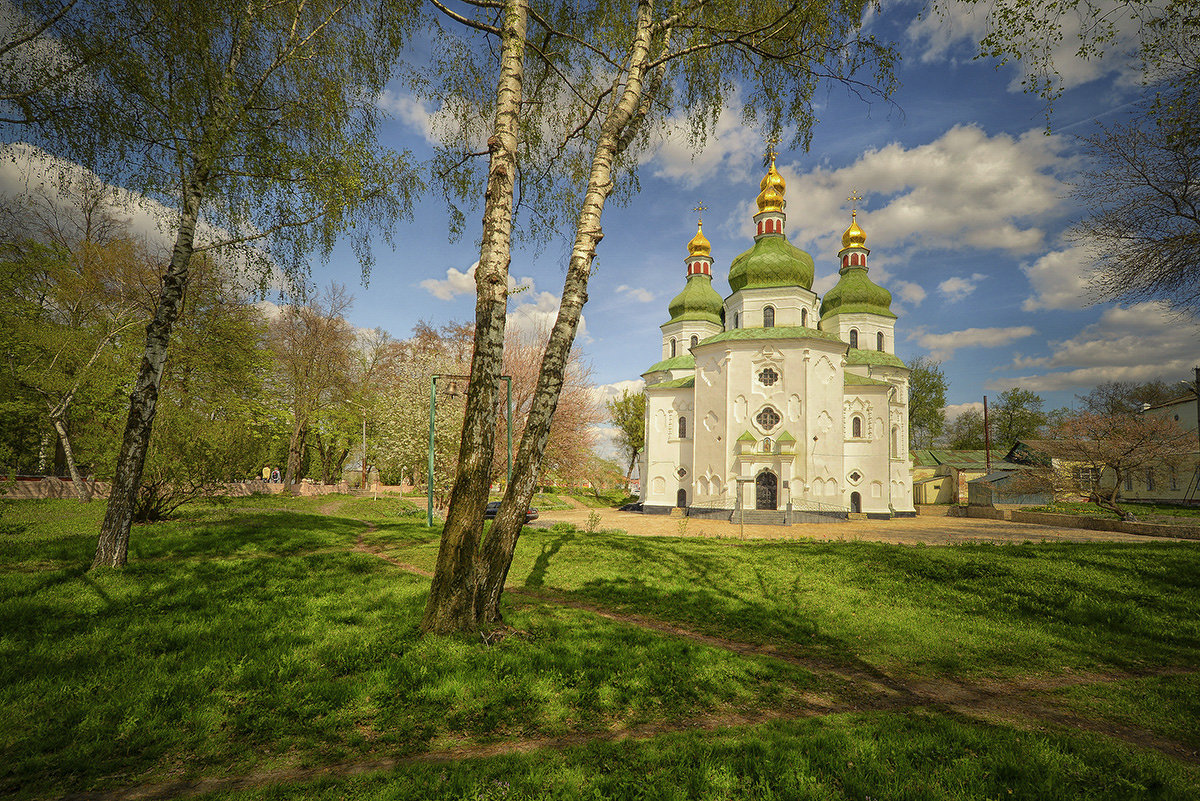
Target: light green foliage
[(926, 402), (628, 414), (1017, 415), (965, 432)]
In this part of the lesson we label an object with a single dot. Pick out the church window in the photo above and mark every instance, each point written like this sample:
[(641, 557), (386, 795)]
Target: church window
[(672, 347), (683, 428), (737, 319), (895, 441), (879, 341), (804, 317), (856, 427), (853, 338), (768, 317), (768, 377), (695, 340), (1149, 480), (768, 418)]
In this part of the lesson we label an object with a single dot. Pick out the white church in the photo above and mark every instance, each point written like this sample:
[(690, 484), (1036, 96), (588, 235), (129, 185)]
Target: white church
[(775, 404)]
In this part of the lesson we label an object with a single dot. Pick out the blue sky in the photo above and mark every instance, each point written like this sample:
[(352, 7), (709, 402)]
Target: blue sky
[(966, 203)]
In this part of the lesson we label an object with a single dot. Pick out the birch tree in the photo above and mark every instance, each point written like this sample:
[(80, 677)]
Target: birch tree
[(252, 121), (606, 79)]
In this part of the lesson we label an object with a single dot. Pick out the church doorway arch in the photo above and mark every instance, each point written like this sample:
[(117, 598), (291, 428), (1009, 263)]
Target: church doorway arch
[(766, 491), (855, 502), (681, 499)]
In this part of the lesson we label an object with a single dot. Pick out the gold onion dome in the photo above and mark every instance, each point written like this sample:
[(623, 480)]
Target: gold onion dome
[(772, 186), (699, 245), (854, 237)]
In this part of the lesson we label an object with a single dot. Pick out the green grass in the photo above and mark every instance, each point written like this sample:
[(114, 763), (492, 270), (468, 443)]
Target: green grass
[(920, 611), (250, 636), (609, 499)]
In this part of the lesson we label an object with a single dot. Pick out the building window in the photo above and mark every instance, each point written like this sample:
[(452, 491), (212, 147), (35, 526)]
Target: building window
[(856, 427), (879, 341), (1129, 482), (854, 337), (1085, 477), (672, 347), (1174, 480), (1149, 480), (737, 319), (895, 441), (804, 317), (768, 418), (768, 377), (768, 317), (683, 428), (695, 340)]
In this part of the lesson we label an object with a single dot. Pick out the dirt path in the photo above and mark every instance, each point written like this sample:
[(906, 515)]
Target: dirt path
[(924, 529)]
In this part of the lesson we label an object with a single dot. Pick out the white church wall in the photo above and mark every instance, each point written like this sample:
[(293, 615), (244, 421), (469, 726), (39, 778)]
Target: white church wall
[(788, 302)]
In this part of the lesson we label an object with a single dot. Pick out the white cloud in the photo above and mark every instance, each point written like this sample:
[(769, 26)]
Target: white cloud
[(956, 287), (910, 292), (635, 293), (731, 146), (1059, 280), (607, 392), (954, 33), (965, 191), (953, 410), (458, 282), (942, 346), (536, 315), (1128, 343), (414, 113)]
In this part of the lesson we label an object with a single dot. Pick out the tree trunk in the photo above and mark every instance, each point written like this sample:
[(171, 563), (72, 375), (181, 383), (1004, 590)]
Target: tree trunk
[(451, 604), (82, 491), (295, 459), (501, 539), (629, 471), (43, 450), (113, 544)]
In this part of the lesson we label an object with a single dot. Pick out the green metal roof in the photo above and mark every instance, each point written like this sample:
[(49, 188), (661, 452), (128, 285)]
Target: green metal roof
[(961, 459), (674, 363), (773, 261), (678, 383), (785, 436), (876, 357), (853, 379), (855, 291), (778, 332), (746, 437), (697, 301)]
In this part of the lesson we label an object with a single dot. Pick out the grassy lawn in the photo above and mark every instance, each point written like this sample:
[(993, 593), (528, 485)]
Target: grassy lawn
[(250, 636), (1145, 512)]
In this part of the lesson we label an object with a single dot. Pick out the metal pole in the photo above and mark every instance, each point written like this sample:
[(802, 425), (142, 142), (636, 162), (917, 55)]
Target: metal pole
[(429, 477), (987, 438), (364, 462)]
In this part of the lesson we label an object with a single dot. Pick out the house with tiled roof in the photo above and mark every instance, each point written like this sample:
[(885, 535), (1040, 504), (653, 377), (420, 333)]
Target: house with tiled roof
[(774, 399)]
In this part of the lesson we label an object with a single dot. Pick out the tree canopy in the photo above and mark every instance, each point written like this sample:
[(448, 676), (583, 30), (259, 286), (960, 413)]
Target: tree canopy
[(926, 402)]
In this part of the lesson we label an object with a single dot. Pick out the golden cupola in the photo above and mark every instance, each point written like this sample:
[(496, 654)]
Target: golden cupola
[(854, 237), (772, 186), (699, 246)]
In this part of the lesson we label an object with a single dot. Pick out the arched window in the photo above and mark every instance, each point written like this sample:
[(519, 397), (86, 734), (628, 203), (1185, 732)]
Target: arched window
[(696, 341), (737, 319), (856, 427), (804, 317), (896, 441), (768, 317), (879, 341), (683, 428), (853, 339), (672, 347)]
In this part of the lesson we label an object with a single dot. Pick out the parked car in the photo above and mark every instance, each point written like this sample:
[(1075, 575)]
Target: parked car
[(494, 506)]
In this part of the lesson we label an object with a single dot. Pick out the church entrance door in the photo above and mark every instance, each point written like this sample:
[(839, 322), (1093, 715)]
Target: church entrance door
[(766, 491), (681, 499), (855, 502)]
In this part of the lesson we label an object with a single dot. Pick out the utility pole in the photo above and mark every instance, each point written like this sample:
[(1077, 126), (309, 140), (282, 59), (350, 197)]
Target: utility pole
[(987, 438)]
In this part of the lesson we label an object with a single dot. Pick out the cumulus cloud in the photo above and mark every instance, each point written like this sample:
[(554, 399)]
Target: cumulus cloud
[(415, 113), (535, 314), (910, 292), (964, 191), (607, 392), (954, 33), (942, 346), (957, 287), (953, 410), (635, 293), (458, 282), (731, 146), (1141, 342), (1058, 279)]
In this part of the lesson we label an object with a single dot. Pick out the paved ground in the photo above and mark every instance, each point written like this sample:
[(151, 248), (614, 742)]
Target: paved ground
[(927, 529)]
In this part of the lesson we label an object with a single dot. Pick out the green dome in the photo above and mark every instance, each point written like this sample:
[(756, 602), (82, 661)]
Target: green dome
[(855, 292), (773, 261), (697, 301)]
